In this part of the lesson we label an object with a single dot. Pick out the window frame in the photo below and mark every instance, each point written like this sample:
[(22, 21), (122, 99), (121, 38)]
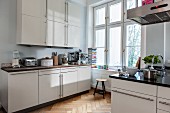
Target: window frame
[(123, 23), (113, 3), (125, 42), (108, 41)]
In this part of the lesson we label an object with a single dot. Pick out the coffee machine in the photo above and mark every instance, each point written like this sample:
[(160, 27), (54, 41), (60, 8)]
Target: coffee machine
[(73, 57)]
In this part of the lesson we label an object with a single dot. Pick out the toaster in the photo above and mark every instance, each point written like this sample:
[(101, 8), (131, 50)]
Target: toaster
[(29, 61)]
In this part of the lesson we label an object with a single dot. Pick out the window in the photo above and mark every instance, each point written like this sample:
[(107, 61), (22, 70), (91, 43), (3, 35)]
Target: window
[(133, 44), (111, 38)]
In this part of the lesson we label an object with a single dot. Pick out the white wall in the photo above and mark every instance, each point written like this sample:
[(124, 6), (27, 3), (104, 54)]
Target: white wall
[(8, 34)]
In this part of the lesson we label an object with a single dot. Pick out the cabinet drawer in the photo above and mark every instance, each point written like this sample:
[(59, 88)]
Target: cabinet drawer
[(163, 104), (135, 87), (130, 102), (68, 69), (161, 111), (164, 92), (49, 71)]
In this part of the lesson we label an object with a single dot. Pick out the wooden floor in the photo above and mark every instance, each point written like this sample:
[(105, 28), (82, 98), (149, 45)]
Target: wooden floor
[(85, 103)]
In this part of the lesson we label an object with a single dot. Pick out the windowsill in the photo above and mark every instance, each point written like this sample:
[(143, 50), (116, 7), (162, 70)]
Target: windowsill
[(109, 70)]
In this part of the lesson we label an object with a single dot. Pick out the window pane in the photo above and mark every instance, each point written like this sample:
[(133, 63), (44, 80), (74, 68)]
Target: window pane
[(133, 35), (100, 56), (100, 38), (100, 15), (131, 4), (115, 12), (139, 3), (133, 53), (115, 46)]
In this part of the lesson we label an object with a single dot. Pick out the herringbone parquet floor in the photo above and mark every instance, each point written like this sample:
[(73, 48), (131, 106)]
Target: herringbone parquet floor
[(85, 103)]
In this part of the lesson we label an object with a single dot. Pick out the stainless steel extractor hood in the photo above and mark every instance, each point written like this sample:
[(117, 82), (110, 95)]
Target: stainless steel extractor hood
[(151, 14)]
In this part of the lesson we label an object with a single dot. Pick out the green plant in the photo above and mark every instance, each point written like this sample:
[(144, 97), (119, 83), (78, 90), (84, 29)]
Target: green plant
[(148, 59)]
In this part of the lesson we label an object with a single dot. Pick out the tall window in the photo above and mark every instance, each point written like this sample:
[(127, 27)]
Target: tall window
[(110, 40)]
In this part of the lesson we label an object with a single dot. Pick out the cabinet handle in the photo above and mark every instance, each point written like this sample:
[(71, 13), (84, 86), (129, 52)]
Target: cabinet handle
[(62, 85), (164, 103), (149, 99), (23, 73), (46, 6), (65, 12)]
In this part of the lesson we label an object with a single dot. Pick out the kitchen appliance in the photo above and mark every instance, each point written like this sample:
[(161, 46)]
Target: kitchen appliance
[(150, 74), (29, 61), (47, 62), (65, 59), (83, 58), (157, 12), (73, 57), (16, 59), (60, 57)]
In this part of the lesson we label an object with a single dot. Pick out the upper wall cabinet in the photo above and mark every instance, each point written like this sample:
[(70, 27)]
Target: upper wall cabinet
[(36, 8), (31, 22), (56, 10), (74, 14), (48, 23)]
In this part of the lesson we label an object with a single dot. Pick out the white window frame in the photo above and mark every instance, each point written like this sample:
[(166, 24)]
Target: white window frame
[(108, 40), (113, 3), (125, 42)]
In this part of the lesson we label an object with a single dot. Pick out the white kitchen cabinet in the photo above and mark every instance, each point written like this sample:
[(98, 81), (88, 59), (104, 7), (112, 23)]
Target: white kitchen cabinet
[(163, 101), (31, 30), (73, 39), (161, 111), (74, 14), (22, 90), (49, 85), (129, 102), (56, 10), (69, 83), (35, 8), (56, 34), (84, 78)]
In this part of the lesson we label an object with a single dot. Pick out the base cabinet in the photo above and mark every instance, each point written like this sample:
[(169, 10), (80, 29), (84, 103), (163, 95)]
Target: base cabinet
[(161, 111), (22, 90), (49, 88), (69, 86), (129, 102), (84, 78)]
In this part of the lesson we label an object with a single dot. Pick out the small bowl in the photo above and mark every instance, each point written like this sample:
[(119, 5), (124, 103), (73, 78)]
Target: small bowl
[(132, 71)]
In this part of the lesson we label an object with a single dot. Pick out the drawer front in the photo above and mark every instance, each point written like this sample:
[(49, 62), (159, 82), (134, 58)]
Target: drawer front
[(163, 104), (49, 71), (163, 92), (68, 69), (161, 111), (131, 102), (135, 87)]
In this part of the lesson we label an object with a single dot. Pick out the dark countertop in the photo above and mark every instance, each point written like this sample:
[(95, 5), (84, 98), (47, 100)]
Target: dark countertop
[(138, 77), (39, 68)]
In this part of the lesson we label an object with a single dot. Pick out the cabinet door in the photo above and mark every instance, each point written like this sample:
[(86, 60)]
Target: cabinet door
[(36, 8), (73, 36), (56, 34), (130, 102), (74, 14), (160, 111), (56, 10), (49, 87), (33, 31), (69, 83), (84, 78), (22, 90)]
